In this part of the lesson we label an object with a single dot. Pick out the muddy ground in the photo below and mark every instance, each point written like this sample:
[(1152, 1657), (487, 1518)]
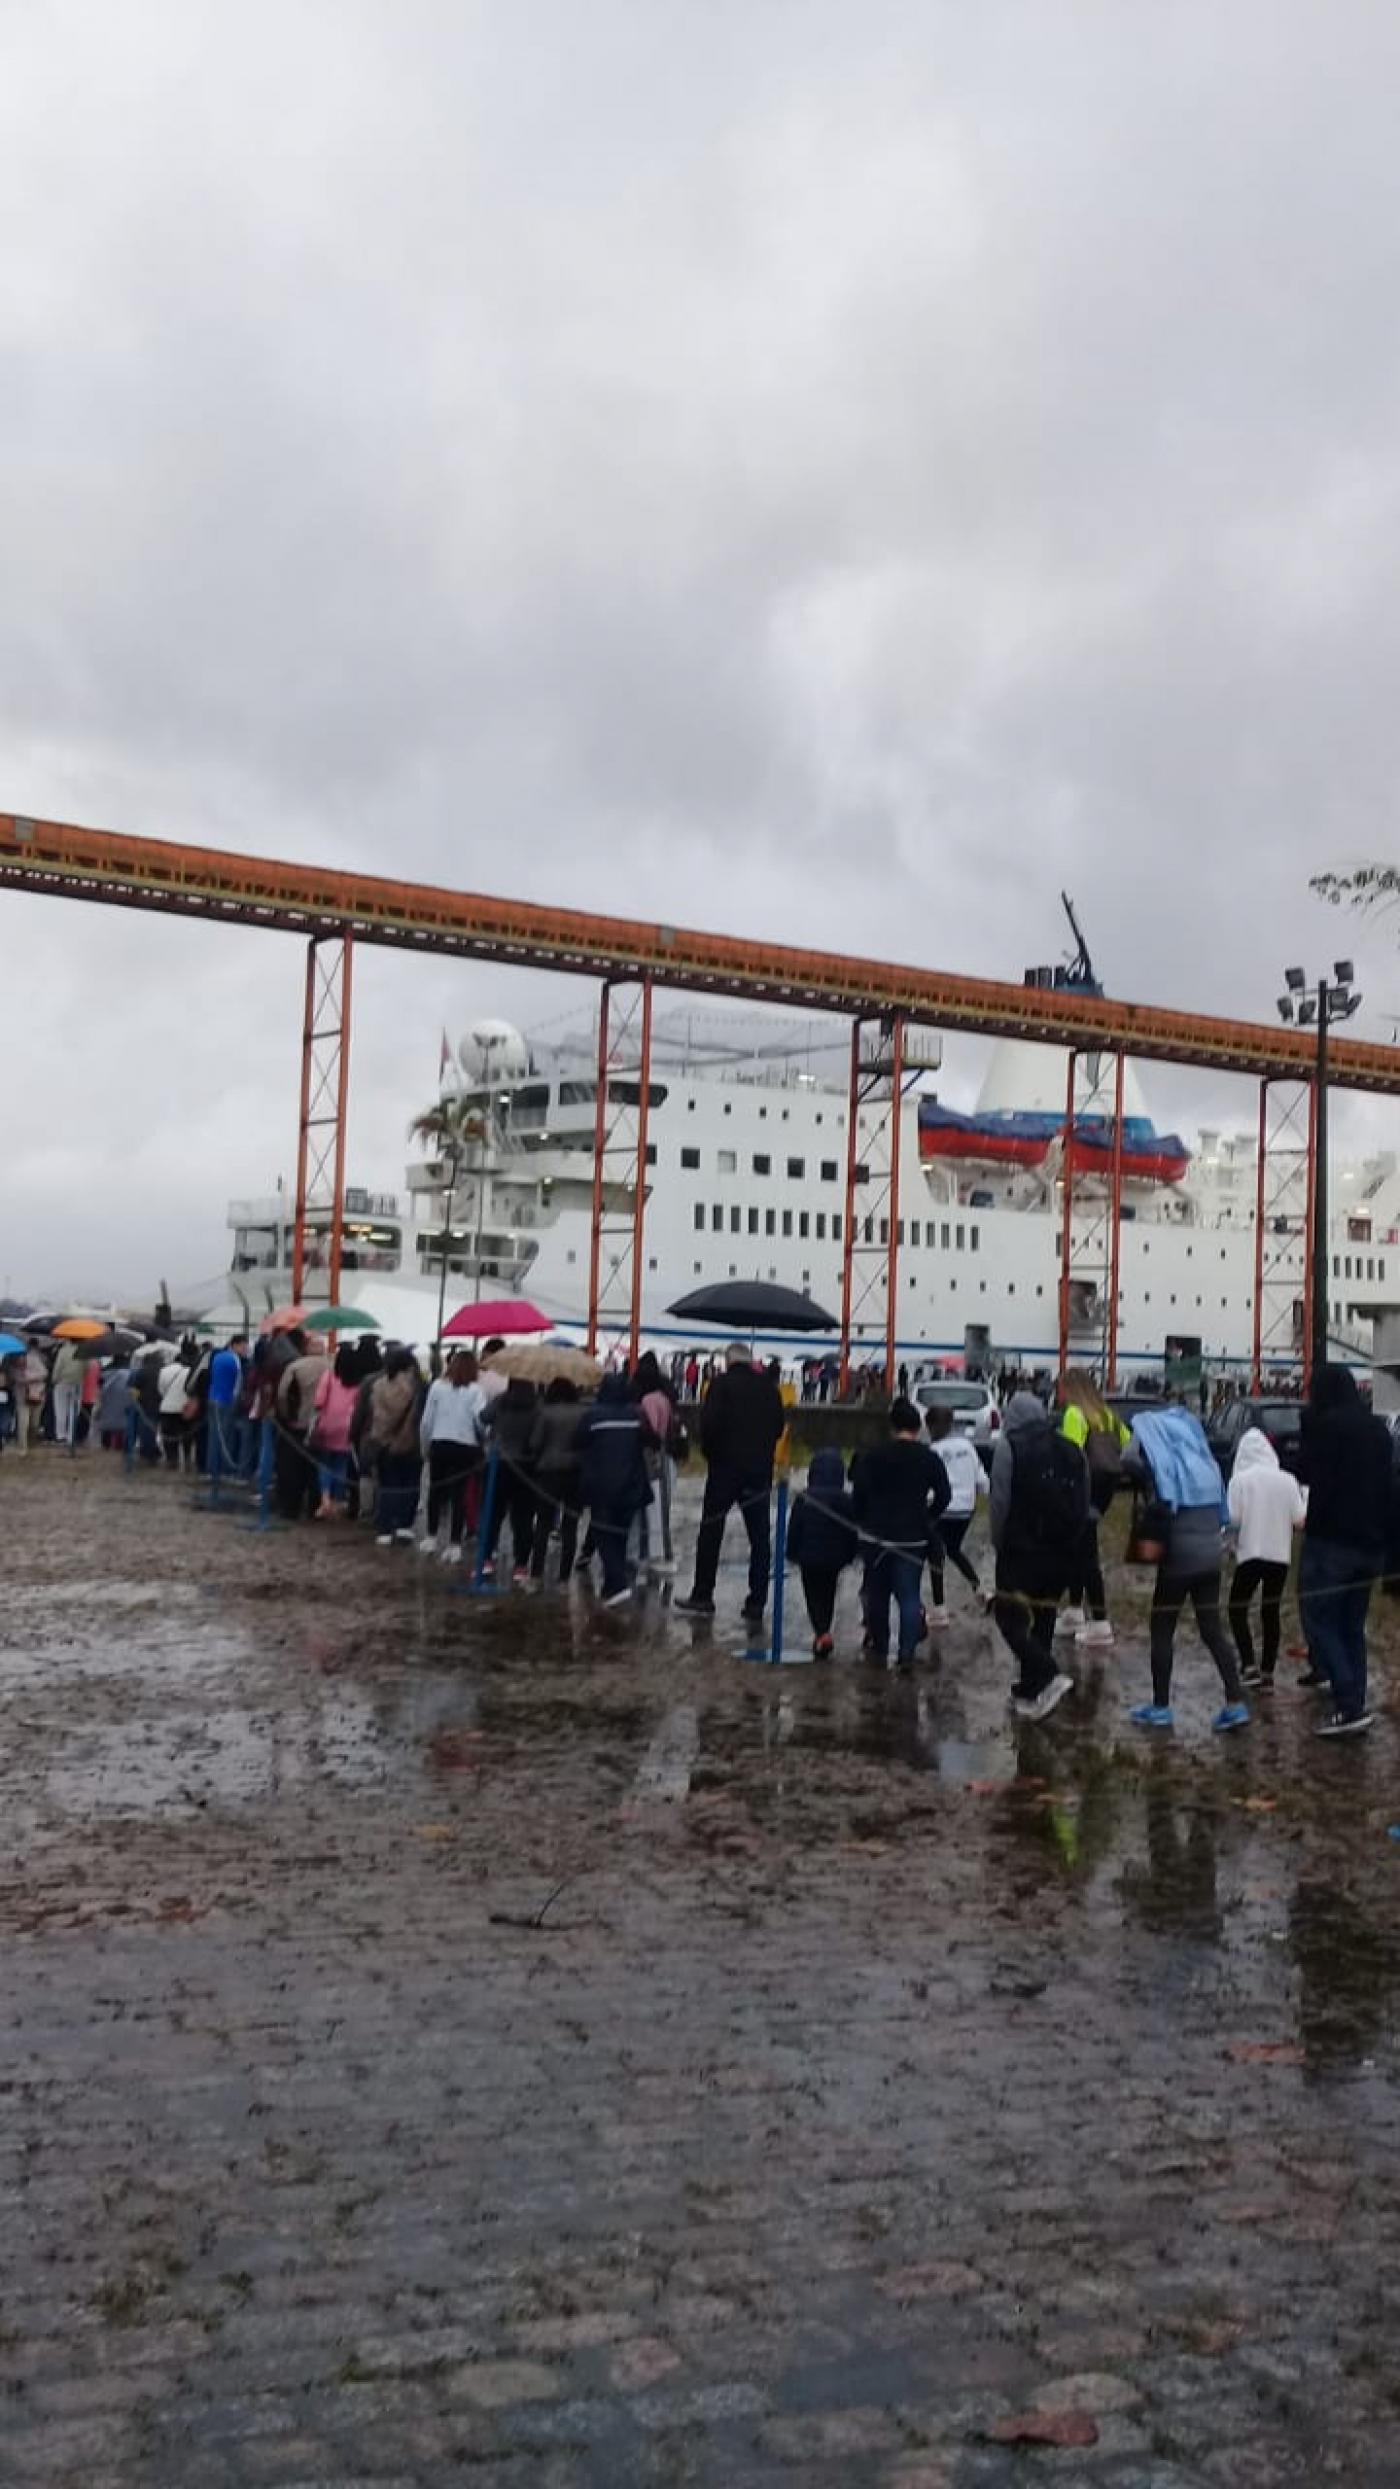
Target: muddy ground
[(500, 2041)]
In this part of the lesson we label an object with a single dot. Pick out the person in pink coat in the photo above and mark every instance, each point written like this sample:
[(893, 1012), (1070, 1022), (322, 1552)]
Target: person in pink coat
[(336, 1395)]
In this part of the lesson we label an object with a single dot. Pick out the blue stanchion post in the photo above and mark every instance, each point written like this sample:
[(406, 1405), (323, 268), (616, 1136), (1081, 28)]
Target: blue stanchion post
[(216, 1454), (267, 1461), (488, 1514), (780, 1528)]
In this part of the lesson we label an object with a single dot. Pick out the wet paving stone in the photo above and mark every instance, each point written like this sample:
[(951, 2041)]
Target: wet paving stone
[(499, 2040)]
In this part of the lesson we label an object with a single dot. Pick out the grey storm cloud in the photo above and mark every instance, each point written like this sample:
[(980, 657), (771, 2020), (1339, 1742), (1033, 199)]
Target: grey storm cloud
[(840, 473)]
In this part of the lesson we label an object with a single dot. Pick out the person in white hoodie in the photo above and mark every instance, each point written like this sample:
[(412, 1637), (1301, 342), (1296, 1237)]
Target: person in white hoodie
[(967, 1479), (1266, 1506)]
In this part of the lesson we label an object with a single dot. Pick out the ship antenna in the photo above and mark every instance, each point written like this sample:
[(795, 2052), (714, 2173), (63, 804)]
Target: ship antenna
[(1079, 970)]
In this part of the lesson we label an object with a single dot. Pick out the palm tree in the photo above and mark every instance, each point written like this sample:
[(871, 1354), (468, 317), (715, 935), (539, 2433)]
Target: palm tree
[(449, 1130)]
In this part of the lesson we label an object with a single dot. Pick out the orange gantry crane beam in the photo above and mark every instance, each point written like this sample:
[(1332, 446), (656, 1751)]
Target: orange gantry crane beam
[(317, 901)]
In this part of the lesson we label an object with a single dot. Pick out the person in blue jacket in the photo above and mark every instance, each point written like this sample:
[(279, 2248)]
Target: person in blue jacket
[(821, 1542), (612, 1440)]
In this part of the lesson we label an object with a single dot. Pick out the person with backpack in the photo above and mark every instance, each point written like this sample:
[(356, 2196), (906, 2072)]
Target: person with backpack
[(1088, 1421), (967, 1479), (1266, 1506), (821, 1542), (1170, 1457), (1039, 1505), (898, 1492)]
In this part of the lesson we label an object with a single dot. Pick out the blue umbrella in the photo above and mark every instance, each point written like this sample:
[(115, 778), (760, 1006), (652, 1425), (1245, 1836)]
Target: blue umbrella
[(10, 1346)]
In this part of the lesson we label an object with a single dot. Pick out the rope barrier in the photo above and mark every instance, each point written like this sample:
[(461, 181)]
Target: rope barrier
[(867, 1547)]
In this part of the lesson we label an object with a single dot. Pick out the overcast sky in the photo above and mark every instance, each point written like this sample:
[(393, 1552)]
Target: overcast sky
[(835, 472)]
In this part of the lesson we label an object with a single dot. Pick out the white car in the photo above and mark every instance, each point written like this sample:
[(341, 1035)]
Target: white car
[(975, 1412)]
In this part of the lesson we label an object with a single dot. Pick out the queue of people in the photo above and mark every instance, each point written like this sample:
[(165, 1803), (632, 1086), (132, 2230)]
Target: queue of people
[(906, 1506)]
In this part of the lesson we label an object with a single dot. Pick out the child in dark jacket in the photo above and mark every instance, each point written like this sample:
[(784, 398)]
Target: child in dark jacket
[(821, 1540)]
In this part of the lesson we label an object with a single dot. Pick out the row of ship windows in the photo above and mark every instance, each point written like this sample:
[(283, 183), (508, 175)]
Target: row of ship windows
[(727, 1163), (815, 1223), (698, 1271), (1342, 1266)]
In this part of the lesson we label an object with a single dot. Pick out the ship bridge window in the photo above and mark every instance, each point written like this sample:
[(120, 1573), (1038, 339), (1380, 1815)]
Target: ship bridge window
[(699, 1215), (821, 1227), (797, 1167), (753, 1222), (946, 1233), (787, 1222), (913, 1231), (961, 1233), (1370, 1267), (975, 1237), (770, 1222), (836, 1227), (803, 1223), (727, 1161), (651, 1153), (762, 1163), (828, 1171), (578, 1092), (629, 1093), (690, 1157), (716, 1217), (735, 1219), (532, 1099)]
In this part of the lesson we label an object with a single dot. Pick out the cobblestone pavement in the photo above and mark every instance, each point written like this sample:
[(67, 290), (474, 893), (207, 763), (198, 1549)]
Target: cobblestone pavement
[(503, 2041)]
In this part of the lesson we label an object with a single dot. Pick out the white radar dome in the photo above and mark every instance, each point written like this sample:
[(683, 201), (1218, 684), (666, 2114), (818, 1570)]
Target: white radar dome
[(493, 1050)]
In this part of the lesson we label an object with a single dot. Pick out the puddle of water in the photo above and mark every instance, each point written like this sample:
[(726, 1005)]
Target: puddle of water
[(666, 1768), (152, 1767)]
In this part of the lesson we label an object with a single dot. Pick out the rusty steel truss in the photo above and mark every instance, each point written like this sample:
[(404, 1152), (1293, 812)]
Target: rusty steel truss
[(332, 909)]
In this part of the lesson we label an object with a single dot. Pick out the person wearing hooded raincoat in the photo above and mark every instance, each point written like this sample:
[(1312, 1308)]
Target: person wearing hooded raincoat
[(1170, 1455), (613, 1478), (1266, 1506), (1037, 1508), (821, 1542), (1345, 1466)]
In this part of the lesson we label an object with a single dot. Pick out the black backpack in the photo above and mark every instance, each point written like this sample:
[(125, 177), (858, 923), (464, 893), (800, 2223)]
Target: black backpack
[(1049, 1492)]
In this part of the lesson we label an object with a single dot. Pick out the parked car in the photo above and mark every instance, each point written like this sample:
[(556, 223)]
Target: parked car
[(1280, 1420), (975, 1412)]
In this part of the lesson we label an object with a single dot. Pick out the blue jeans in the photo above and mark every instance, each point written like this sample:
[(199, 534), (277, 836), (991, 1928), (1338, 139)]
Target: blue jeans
[(335, 1476), (1334, 1593), (895, 1575), (221, 1440)]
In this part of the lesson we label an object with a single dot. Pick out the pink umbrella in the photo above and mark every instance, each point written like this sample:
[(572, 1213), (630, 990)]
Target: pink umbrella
[(501, 1317)]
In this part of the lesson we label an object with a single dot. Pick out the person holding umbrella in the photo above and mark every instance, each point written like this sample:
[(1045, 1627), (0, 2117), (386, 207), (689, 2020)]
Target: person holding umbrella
[(741, 1425)]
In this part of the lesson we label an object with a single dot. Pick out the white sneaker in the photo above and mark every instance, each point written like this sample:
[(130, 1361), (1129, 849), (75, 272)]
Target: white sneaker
[(385, 1539), (1096, 1635), (428, 1546), (451, 1555), (1071, 1620), (618, 1598), (1042, 1704), (404, 1537)]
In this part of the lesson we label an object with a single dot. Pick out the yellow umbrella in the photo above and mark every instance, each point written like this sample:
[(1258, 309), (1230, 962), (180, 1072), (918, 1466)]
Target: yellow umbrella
[(77, 1327)]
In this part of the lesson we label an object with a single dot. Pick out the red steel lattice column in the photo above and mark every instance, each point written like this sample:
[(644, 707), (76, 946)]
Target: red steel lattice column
[(620, 1129), (1115, 1227), (848, 1232), (325, 1087), (1067, 1211), (896, 1131)]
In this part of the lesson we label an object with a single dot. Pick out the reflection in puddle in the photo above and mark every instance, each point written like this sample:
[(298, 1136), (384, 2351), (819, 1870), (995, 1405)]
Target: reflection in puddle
[(174, 1767)]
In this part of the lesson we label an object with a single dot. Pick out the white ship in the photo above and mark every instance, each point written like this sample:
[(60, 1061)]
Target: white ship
[(746, 1166)]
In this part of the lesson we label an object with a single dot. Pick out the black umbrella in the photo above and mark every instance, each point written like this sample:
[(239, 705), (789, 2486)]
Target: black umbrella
[(116, 1343), (754, 1305)]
